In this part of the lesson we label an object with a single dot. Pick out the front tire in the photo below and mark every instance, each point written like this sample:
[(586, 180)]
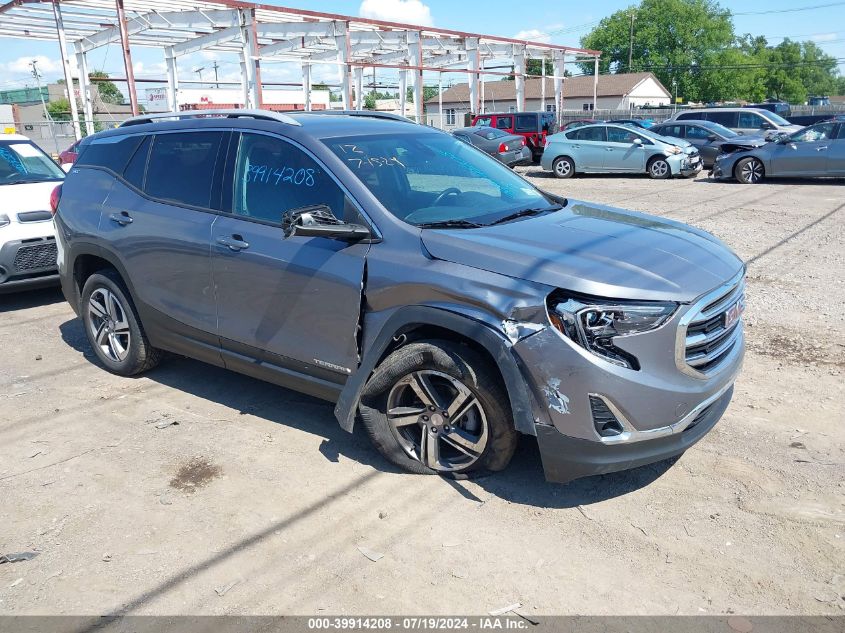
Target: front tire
[(563, 167), (749, 171), (113, 328), (434, 407), (659, 169)]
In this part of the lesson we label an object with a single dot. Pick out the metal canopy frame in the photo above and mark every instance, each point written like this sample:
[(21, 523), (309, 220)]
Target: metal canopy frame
[(259, 32)]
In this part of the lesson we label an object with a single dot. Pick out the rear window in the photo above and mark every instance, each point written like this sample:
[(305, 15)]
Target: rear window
[(504, 122), (181, 167), (489, 133), (526, 123), (691, 116), (137, 167), (111, 152)]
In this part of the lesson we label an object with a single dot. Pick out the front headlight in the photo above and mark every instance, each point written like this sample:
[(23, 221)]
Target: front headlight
[(595, 324), (4, 220), (674, 149)]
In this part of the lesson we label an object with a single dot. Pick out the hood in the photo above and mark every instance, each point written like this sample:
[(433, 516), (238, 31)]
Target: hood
[(595, 250), (742, 143), (31, 196)]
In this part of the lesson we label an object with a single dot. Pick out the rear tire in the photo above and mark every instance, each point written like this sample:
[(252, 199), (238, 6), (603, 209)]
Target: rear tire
[(563, 167), (749, 171), (435, 407), (659, 169), (113, 328)]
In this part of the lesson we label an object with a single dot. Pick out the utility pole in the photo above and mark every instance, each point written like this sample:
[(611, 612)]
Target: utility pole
[(216, 66), (47, 116), (631, 42), (198, 71)]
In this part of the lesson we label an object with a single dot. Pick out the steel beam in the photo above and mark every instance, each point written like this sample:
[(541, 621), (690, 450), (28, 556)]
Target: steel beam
[(205, 41), (473, 67), (306, 85), (559, 67), (416, 57), (172, 79), (358, 72), (342, 43), (71, 97), (127, 58), (519, 75), (596, 84), (85, 89)]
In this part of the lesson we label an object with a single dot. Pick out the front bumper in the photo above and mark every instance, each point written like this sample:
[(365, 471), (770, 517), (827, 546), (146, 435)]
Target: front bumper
[(566, 458), (28, 263), (690, 167), (719, 172)]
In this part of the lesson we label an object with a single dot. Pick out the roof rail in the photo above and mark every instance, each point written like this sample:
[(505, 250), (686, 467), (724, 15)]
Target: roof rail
[(265, 115), (367, 113)]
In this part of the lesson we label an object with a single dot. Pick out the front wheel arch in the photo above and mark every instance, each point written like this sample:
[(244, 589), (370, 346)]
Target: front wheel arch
[(426, 321)]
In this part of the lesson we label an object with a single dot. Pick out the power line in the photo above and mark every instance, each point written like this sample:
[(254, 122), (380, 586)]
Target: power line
[(795, 10)]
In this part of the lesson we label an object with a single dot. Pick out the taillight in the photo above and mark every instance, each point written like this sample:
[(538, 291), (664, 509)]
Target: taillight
[(502, 148), (55, 196), (522, 141)]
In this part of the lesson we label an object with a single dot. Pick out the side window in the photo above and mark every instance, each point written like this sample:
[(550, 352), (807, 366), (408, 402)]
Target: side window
[(620, 135), (750, 120), (698, 132), (691, 116), (728, 119), (181, 167), (273, 176), (480, 121), (821, 132), (110, 152), (504, 122), (841, 136), (526, 123), (137, 167), (591, 133)]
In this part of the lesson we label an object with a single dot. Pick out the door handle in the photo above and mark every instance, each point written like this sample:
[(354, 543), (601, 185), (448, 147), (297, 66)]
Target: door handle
[(576, 147), (608, 149), (821, 149), (233, 243), (123, 218)]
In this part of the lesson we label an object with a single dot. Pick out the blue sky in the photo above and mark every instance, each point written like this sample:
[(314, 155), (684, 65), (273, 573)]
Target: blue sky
[(566, 20)]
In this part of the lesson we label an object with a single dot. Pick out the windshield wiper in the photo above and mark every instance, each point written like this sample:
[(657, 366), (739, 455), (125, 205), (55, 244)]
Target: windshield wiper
[(449, 224), (526, 212)]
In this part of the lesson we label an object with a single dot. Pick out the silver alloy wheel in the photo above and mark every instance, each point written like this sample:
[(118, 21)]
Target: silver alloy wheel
[(659, 168), (752, 171), (562, 167), (437, 420), (109, 324)]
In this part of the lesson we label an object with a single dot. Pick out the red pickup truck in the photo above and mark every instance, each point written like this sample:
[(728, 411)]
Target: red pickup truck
[(533, 126)]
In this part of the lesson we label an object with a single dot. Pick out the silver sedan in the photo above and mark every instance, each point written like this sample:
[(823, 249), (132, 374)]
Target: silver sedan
[(817, 151)]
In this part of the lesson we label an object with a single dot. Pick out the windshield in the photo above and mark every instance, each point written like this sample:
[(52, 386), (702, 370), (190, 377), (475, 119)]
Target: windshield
[(432, 178), (719, 129), (22, 162), (776, 118)]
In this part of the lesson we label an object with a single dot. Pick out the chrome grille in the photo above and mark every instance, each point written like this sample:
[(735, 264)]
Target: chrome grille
[(706, 337), (42, 254)]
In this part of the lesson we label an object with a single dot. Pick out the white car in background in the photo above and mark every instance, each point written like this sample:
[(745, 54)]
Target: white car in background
[(28, 178)]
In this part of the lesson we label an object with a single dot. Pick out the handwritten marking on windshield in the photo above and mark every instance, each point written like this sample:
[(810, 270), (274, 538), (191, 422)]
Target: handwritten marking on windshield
[(268, 175)]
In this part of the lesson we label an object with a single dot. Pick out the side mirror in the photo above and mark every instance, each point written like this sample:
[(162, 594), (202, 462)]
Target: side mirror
[(767, 126), (712, 137), (319, 221), (638, 141)]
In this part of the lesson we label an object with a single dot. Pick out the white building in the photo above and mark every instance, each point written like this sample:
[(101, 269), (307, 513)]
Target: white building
[(615, 92), (216, 98)]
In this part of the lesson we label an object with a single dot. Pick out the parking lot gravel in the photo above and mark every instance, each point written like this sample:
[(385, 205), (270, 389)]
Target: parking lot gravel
[(193, 490)]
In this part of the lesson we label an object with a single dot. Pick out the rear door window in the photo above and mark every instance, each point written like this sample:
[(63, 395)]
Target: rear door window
[(691, 116), (593, 133), (137, 167), (698, 133), (182, 166), (728, 119), (621, 135), (504, 122), (675, 131)]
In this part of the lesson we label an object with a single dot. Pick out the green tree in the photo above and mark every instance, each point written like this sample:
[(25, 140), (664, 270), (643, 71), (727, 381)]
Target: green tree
[(429, 92), (59, 110), (109, 92), (671, 37)]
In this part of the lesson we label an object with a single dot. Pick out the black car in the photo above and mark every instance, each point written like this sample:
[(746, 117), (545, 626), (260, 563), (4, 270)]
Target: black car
[(507, 148), (709, 137)]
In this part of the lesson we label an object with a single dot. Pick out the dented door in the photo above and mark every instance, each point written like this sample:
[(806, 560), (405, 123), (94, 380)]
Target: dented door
[(292, 302)]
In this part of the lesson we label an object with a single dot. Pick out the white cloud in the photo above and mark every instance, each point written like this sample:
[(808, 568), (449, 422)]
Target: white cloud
[(408, 11), (533, 35), (823, 37), (21, 65)]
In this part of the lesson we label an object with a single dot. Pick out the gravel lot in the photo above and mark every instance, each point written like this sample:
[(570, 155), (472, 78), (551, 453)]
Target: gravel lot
[(254, 501)]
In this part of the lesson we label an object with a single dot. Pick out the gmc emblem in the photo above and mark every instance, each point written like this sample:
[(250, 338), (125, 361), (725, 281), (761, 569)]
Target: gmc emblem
[(733, 313)]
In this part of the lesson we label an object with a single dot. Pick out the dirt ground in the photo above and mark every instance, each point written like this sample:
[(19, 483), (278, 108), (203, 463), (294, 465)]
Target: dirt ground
[(193, 490)]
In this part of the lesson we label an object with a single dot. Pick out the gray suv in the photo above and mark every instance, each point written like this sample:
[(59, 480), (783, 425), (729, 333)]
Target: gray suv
[(419, 284)]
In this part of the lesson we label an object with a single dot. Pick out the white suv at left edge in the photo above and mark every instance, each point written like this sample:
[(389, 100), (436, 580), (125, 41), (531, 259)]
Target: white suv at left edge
[(28, 178)]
